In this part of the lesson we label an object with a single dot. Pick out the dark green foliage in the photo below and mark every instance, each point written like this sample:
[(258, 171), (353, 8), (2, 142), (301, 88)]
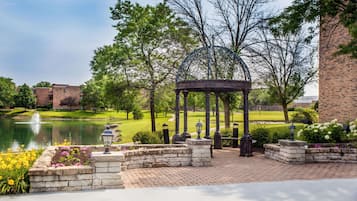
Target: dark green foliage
[(42, 84), (24, 97), (304, 115), (303, 12), (276, 136), (93, 95), (147, 137), (261, 135), (7, 92), (137, 113)]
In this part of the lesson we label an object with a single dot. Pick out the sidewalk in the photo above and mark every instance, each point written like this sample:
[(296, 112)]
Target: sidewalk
[(228, 168), (298, 190)]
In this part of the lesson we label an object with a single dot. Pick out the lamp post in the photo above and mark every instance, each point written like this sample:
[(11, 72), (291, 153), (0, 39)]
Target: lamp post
[(107, 137), (292, 129), (235, 135), (199, 129), (165, 131)]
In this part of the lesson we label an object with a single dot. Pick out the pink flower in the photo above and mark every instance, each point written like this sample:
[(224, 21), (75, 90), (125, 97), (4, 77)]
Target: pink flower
[(64, 153)]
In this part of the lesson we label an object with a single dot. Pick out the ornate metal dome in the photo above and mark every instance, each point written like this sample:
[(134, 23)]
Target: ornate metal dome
[(223, 64)]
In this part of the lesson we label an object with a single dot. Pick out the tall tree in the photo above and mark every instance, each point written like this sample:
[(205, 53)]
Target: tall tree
[(42, 84), (310, 12), (285, 64), (24, 97), (7, 92), (149, 45), (237, 21), (93, 95)]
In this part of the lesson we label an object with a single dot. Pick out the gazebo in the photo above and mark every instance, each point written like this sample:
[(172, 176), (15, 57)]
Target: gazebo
[(215, 70)]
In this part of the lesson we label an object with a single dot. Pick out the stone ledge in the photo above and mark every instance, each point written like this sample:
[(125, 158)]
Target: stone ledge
[(295, 143), (191, 141)]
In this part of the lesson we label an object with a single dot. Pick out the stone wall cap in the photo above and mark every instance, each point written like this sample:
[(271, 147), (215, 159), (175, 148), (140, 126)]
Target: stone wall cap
[(113, 156), (294, 143), (191, 141)]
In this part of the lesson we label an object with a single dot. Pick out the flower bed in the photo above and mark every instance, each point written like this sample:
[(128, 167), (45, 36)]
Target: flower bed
[(71, 156), (329, 132), (14, 167)]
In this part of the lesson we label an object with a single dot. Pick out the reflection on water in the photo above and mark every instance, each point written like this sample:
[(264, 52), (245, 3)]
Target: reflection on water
[(78, 132)]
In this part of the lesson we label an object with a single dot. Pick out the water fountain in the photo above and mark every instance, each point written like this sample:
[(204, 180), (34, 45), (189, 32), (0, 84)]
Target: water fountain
[(35, 123)]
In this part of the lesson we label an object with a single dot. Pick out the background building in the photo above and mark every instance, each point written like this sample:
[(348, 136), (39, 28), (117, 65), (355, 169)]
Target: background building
[(58, 97)]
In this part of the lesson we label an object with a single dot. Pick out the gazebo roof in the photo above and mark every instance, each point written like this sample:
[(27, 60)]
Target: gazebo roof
[(223, 71), (224, 65)]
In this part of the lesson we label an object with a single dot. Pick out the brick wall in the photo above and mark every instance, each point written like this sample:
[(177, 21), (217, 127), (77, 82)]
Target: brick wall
[(337, 77), (42, 96), (60, 92)]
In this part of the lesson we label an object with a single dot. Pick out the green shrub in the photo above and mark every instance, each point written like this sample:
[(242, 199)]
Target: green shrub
[(304, 115), (276, 136), (146, 137), (138, 114), (261, 135), (323, 133), (226, 133)]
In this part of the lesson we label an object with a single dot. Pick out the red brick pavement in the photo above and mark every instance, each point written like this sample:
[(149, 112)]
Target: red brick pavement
[(228, 167)]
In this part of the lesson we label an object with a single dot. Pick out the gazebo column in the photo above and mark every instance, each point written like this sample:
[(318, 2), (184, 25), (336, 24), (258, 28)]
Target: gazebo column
[(246, 141), (217, 135), (185, 133), (207, 115), (177, 137)]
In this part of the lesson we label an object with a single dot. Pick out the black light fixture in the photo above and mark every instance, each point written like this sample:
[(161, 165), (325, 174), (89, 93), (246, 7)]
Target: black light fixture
[(199, 129), (292, 129), (107, 138), (165, 131)]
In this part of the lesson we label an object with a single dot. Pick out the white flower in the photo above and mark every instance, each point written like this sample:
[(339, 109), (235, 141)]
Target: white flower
[(329, 132), (299, 133), (316, 131), (334, 121), (327, 137)]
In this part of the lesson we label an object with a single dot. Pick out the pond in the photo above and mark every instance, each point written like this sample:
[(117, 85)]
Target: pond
[(14, 133)]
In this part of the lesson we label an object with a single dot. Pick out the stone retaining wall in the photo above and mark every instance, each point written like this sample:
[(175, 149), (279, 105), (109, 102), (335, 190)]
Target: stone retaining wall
[(292, 154), (105, 171), (331, 155)]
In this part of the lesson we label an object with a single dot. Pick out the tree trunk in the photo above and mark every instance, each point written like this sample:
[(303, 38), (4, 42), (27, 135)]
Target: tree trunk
[(286, 115), (127, 115), (152, 109), (226, 113)]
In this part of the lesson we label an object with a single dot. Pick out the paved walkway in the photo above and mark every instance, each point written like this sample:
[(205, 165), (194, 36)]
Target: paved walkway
[(229, 168), (326, 190)]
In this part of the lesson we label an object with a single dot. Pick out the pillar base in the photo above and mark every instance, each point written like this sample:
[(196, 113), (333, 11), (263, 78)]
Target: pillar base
[(217, 140), (246, 144), (185, 135)]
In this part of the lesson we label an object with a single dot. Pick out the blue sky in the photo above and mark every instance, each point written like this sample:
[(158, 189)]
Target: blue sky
[(54, 40)]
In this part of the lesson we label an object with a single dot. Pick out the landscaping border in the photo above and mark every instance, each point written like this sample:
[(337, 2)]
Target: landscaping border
[(105, 170), (302, 154)]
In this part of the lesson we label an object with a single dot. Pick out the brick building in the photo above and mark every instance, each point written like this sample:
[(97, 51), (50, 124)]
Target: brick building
[(337, 76), (60, 96)]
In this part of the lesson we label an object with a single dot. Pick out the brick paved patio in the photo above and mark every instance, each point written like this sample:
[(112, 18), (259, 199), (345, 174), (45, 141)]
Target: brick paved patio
[(228, 168)]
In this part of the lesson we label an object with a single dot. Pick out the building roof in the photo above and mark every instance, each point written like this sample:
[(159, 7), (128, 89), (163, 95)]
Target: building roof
[(306, 99)]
